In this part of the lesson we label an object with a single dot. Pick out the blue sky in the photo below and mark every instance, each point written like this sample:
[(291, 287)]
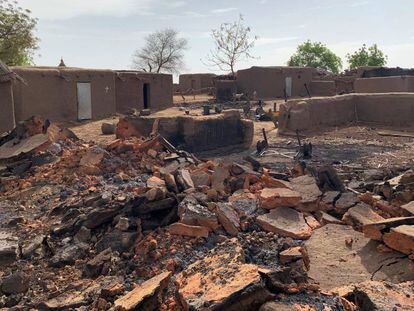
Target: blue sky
[(105, 33)]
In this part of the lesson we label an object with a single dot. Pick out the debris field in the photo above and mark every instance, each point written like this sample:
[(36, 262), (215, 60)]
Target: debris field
[(137, 224)]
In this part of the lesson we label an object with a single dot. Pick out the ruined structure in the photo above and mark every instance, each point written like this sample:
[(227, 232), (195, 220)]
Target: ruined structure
[(7, 121), (193, 133), (394, 109), (141, 90), (196, 81), (384, 84)]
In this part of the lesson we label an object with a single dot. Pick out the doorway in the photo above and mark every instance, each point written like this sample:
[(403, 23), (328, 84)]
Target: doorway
[(84, 100), (146, 94), (288, 86)]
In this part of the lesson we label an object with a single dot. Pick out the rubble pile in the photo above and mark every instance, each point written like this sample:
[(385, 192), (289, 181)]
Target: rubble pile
[(139, 225)]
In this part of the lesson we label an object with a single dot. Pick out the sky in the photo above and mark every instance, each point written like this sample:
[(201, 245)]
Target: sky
[(105, 33)]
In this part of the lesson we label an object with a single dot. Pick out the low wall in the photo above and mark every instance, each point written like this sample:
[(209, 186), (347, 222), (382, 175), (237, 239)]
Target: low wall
[(384, 84), (193, 133), (395, 109), (322, 88), (7, 122)]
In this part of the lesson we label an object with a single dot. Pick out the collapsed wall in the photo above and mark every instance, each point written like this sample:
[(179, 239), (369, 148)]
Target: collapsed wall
[(394, 109), (193, 133), (7, 121)]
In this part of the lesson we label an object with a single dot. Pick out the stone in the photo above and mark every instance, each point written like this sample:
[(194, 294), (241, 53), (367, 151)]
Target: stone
[(286, 222), (245, 203), (374, 295), (194, 214), (228, 218), (65, 301), (401, 239), (90, 162), (187, 230), (308, 190), (408, 209), (376, 230), (361, 215), (200, 179), (312, 222), (8, 248), (108, 128), (83, 235), (328, 200), (99, 216), (34, 247), (122, 224), (154, 182), (170, 182), (222, 281), (117, 240), (93, 267), (67, 255), (325, 218), (219, 176), (156, 194), (271, 182), (335, 262), (345, 202), (271, 198), (145, 296), (290, 255), (15, 283), (186, 179)]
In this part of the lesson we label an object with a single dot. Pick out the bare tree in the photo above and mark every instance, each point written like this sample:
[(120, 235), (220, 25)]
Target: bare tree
[(163, 52), (232, 43)]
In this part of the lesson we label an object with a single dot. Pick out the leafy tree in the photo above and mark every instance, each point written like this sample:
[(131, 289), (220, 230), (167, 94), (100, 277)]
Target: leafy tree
[(371, 56), (315, 54), (232, 43), (17, 39), (163, 52)]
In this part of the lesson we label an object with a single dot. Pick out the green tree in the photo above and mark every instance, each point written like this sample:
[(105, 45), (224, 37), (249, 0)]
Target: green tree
[(315, 54), (371, 56), (17, 39)]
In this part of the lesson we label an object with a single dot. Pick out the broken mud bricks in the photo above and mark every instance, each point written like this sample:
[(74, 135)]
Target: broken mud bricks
[(361, 215), (187, 230), (228, 218), (396, 233), (192, 213), (286, 222), (146, 296), (222, 281), (340, 256), (271, 198), (309, 192)]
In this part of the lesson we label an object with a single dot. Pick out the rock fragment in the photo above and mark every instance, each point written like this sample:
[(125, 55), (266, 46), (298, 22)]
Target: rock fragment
[(271, 198)]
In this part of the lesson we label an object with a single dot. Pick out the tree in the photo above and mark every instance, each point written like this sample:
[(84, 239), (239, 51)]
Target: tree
[(17, 39), (232, 42), (163, 52), (315, 54), (371, 56)]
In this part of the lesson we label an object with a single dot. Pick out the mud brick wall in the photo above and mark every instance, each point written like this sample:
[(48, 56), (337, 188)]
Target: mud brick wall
[(322, 88), (194, 134), (7, 121), (52, 94), (384, 84), (395, 109)]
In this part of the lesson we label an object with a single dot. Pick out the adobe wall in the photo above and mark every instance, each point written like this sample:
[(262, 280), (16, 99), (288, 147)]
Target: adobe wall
[(322, 88), (269, 82), (130, 91), (52, 93), (7, 121), (194, 133), (201, 81), (394, 109), (225, 89), (384, 84)]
